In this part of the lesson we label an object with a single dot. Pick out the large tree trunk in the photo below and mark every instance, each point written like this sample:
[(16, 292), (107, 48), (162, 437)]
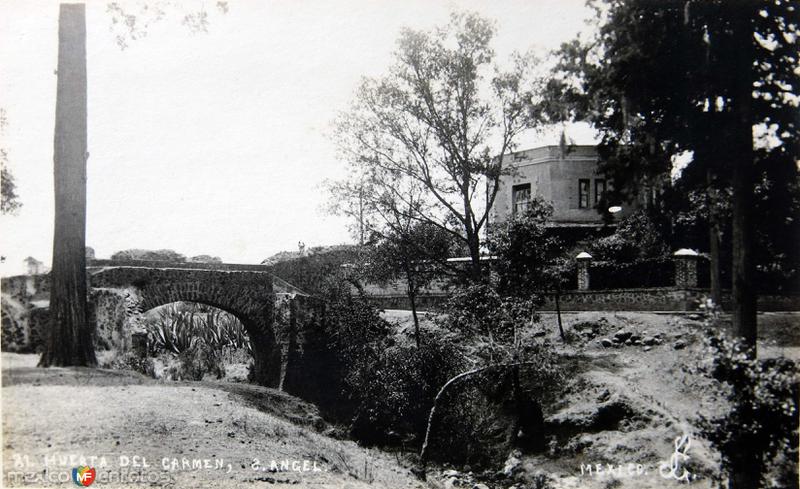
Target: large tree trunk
[(745, 470), (69, 338), (743, 181)]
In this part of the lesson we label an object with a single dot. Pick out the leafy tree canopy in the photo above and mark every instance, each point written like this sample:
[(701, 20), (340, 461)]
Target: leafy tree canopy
[(423, 140), (149, 255), (658, 80), (9, 200)]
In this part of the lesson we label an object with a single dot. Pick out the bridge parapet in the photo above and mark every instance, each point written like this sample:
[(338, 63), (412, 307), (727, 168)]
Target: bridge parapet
[(94, 264)]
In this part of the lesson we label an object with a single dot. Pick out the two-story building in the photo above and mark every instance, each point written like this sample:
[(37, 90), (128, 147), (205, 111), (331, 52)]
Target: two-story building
[(567, 177)]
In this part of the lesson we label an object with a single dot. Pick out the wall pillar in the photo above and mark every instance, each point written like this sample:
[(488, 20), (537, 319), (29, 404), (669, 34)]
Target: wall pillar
[(583, 259), (685, 268)]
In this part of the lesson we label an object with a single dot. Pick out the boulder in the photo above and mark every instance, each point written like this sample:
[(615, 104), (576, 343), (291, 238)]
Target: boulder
[(621, 336), (606, 343), (512, 464), (679, 345), (590, 418)]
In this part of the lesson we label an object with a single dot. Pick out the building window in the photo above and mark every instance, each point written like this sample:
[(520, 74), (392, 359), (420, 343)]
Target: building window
[(521, 197), (599, 190), (583, 193)]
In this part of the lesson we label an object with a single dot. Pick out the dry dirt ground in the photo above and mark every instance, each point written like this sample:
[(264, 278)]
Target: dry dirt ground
[(206, 434), (199, 434), (625, 406)]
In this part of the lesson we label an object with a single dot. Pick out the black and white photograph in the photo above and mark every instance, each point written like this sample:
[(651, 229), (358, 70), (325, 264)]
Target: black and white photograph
[(429, 244)]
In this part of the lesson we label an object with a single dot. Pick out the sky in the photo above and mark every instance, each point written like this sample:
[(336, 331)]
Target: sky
[(216, 142)]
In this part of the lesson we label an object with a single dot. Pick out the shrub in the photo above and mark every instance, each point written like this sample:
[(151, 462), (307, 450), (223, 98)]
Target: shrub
[(320, 272), (638, 236), (528, 255), (480, 310), (480, 415), (336, 362), (130, 361), (762, 398), (395, 403), (149, 255), (615, 248), (195, 362)]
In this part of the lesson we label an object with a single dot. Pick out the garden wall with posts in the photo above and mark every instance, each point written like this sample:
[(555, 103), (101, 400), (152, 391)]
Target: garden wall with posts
[(676, 283)]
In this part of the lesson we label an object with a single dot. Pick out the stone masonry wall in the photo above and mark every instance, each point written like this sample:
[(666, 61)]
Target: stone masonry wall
[(653, 299)]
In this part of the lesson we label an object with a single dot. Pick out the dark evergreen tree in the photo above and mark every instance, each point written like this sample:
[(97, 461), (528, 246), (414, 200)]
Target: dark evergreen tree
[(662, 79)]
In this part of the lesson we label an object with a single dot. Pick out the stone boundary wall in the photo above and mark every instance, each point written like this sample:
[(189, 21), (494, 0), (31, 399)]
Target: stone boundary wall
[(652, 299), (427, 302), (27, 287)]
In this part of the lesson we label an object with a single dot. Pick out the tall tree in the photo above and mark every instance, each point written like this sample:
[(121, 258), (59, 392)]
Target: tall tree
[(668, 78), (69, 337), (691, 77), (442, 119)]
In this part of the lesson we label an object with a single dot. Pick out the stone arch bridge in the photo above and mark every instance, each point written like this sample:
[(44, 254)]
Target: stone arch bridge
[(277, 316)]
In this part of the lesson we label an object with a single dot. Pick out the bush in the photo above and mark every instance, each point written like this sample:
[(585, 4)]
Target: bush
[(762, 397), (336, 363), (480, 310), (318, 273), (528, 253), (149, 255), (482, 414), (130, 361), (383, 389), (615, 248), (637, 237), (395, 404), (196, 362)]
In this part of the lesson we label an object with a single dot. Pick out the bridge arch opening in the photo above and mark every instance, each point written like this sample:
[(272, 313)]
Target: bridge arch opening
[(125, 292), (194, 340)]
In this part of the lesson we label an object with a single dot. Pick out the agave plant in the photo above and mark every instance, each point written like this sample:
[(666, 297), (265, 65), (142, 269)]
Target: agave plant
[(180, 327), (173, 330)]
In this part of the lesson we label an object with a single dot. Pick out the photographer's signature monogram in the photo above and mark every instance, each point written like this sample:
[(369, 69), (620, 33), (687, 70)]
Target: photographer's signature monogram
[(675, 467)]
